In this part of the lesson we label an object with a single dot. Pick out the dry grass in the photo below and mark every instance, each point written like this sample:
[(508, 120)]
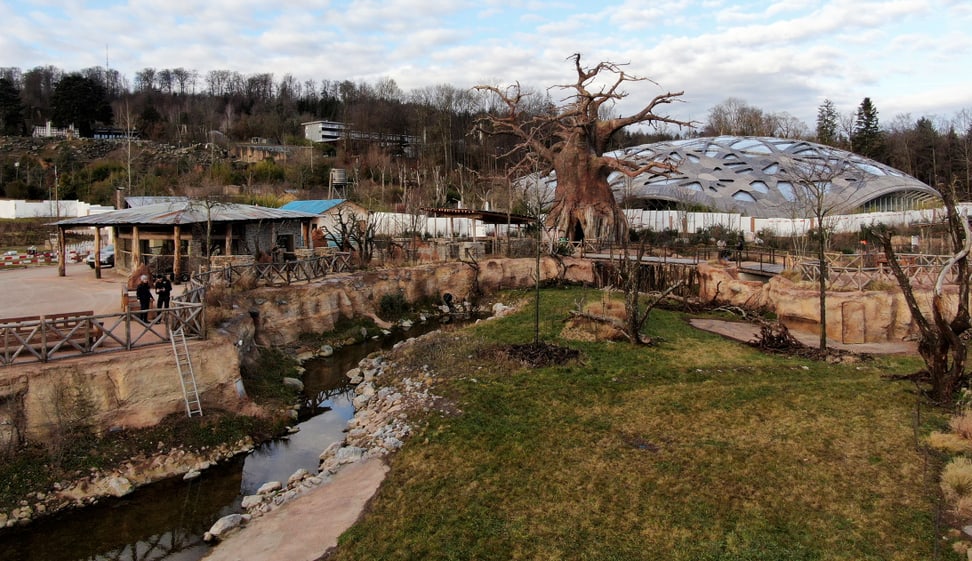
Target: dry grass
[(962, 425), (583, 329), (949, 442), (956, 480)]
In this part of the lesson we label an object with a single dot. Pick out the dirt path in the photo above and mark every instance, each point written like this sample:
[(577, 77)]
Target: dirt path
[(305, 528), (745, 331)]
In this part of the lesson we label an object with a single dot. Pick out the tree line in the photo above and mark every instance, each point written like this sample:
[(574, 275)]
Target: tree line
[(182, 107)]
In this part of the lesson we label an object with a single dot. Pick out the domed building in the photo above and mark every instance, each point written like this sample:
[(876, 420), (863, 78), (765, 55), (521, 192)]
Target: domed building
[(761, 177)]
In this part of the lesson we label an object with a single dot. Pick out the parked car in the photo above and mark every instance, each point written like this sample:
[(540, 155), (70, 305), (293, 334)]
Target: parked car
[(107, 257)]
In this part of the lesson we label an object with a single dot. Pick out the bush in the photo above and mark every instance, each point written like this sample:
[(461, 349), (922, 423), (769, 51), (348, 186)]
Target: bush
[(393, 305), (956, 480)]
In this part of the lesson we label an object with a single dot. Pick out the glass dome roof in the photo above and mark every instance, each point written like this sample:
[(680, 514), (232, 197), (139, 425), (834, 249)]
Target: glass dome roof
[(760, 177)]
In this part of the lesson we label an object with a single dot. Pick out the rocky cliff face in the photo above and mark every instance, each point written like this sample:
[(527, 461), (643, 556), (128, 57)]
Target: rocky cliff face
[(853, 317), (138, 388), (282, 314), (124, 389)]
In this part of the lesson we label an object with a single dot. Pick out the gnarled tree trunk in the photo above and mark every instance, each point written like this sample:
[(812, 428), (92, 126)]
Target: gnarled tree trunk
[(584, 206)]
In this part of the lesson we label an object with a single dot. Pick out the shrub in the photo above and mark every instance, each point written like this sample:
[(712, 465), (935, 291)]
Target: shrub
[(962, 425), (393, 305), (956, 481)]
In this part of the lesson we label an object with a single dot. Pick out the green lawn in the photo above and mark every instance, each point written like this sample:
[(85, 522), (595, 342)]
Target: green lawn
[(698, 448)]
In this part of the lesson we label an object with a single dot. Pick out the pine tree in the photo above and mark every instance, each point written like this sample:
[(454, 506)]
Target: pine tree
[(828, 124), (867, 139)]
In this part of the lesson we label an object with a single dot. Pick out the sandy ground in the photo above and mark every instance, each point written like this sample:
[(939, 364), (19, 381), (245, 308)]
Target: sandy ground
[(39, 290), (305, 528)]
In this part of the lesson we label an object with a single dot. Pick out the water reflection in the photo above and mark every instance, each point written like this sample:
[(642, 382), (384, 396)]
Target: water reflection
[(162, 521), (166, 521)]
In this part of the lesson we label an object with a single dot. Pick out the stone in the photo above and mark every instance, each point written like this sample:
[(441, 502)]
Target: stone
[(349, 454), (359, 402), (326, 351), (354, 376), (191, 474), (119, 486), (305, 356), (225, 525), (293, 383), (251, 501), (297, 476), (269, 487)]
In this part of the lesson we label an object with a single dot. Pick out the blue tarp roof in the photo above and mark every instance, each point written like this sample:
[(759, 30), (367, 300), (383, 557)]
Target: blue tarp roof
[(313, 207)]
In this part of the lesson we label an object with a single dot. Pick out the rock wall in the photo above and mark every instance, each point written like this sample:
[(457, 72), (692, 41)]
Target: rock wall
[(853, 317), (40, 401), (284, 313), (138, 388)]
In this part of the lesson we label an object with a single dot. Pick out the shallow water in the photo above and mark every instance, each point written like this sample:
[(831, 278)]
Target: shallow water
[(166, 520)]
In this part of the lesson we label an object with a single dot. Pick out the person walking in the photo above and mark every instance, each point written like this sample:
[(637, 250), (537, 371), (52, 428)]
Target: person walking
[(144, 294), (163, 289)]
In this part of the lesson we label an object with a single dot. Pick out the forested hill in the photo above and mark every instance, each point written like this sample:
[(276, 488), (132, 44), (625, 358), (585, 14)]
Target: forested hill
[(189, 124)]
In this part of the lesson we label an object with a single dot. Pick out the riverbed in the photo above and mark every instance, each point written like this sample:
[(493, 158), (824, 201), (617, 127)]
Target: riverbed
[(166, 521)]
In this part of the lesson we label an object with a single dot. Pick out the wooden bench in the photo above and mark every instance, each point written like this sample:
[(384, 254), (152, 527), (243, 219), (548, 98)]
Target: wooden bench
[(51, 332)]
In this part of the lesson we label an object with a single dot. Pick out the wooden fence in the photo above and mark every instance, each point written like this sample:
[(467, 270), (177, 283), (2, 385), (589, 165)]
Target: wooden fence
[(57, 336), (854, 272), (275, 274)]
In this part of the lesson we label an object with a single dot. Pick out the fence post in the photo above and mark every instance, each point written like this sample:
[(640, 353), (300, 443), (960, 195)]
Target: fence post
[(43, 334), (128, 327)]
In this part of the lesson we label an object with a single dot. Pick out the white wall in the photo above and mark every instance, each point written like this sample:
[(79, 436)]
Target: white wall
[(17, 208)]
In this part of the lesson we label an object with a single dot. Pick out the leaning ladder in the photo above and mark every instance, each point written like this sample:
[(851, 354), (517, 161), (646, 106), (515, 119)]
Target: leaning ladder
[(183, 363)]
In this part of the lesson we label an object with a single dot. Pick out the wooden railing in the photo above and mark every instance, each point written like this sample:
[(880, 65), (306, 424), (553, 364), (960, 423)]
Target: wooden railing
[(854, 272), (50, 337), (275, 274)]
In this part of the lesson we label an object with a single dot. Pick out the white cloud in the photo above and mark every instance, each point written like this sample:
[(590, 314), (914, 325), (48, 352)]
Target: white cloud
[(783, 56)]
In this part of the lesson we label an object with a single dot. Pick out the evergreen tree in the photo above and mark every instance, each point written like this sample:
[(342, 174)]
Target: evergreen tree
[(11, 109), (82, 102), (828, 124), (866, 139)]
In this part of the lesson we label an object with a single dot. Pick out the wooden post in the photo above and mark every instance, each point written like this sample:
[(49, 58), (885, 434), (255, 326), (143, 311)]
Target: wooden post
[(136, 250), (177, 252), (228, 249), (97, 252), (61, 252)]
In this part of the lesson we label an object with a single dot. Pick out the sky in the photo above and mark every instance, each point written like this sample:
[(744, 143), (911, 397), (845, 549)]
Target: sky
[(911, 57)]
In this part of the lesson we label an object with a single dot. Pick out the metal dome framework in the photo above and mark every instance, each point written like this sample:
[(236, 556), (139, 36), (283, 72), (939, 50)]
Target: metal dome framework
[(760, 177)]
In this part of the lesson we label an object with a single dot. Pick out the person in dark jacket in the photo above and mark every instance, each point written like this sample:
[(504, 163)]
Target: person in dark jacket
[(163, 289), (144, 294)]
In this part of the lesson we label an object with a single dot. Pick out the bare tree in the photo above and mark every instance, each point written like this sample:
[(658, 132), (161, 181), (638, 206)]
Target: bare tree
[(813, 189), (351, 232), (572, 140), (941, 341)]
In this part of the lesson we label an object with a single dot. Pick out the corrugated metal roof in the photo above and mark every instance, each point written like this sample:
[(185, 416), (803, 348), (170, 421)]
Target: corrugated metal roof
[(133, 202), (318, 206), (186, 212)]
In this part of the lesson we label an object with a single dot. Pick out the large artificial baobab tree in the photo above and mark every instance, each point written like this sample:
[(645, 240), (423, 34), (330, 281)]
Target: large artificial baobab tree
[(571, 140)]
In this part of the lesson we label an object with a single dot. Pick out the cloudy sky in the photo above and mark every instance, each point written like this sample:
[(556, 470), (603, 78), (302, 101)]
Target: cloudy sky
[(908, 56)]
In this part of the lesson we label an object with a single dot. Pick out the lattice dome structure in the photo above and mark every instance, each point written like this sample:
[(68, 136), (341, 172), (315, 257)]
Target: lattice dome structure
[(761, 177)]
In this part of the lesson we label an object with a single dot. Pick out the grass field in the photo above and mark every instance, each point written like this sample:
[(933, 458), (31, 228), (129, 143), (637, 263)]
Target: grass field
[(698, 448)]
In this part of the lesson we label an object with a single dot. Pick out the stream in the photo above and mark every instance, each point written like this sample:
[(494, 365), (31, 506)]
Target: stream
[(166, 520)]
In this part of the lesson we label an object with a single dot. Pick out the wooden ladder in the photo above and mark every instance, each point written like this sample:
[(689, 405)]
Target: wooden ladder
[(180, 349)]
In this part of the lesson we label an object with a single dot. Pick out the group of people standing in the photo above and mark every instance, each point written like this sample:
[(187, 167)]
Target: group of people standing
[(143, 292)]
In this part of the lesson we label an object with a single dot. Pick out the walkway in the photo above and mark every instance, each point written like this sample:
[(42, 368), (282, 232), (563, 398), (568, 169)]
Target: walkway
[(38, 290), (305, 528), (746, 332)]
